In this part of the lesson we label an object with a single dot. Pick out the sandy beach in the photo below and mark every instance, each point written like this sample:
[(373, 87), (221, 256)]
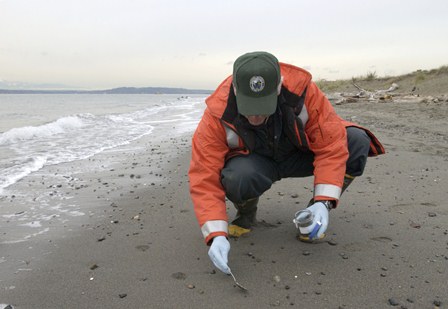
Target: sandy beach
[(386, 246)]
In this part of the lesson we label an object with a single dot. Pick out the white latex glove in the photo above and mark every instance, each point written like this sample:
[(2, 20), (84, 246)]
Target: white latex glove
[(320, 213), (218, 252)]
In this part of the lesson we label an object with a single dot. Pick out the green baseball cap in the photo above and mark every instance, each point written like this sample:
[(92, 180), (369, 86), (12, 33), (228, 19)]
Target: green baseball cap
[(256, 76)]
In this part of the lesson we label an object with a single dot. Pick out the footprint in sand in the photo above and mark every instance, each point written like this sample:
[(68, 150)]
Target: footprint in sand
[(142, 248)]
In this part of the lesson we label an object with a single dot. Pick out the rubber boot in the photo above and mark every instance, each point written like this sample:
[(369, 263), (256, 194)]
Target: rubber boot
[(245, 217), (347, 181)]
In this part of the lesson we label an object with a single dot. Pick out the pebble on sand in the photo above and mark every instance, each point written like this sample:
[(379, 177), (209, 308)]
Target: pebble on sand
[(393, 302), (179, 276), (437, 303), (94, 266), (332, 242)]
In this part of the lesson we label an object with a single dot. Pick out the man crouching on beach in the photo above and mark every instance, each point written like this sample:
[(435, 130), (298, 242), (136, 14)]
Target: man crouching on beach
[(266, 122)]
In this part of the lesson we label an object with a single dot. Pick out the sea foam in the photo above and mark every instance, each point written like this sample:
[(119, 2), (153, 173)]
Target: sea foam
[(59, 126), (27, 149)]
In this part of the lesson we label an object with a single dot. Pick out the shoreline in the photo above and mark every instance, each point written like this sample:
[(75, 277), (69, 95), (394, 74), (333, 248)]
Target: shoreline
[(65, 205)]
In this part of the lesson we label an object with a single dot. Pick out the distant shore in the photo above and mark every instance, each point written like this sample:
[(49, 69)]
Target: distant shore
[(121, 90)]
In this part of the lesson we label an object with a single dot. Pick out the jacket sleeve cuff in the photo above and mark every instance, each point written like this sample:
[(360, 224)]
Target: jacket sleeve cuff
[(331, 192), (209, 239), (214, 228)]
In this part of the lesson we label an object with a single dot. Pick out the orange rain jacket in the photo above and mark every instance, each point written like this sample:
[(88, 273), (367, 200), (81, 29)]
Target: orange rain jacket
[(314, 126)]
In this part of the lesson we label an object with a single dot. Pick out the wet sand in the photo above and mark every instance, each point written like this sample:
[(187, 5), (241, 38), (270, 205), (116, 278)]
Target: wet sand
[(141, 247)]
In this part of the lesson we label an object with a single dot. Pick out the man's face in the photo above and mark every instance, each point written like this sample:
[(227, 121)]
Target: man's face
[(257, 120)]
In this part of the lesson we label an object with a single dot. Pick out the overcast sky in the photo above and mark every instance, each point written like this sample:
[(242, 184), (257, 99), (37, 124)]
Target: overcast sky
[(192, 44)]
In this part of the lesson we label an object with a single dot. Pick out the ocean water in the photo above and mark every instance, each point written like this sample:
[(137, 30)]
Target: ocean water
[(41, 133), (41, 130)]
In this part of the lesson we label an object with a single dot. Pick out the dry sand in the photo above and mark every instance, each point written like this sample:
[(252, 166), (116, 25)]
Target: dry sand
[(141, 246)]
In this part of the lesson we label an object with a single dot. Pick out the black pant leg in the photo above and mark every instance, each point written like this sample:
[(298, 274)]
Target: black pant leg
[(246, 177), (358, 147)]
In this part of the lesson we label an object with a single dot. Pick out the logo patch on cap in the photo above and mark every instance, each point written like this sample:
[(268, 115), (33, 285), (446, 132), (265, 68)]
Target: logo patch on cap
[(256, 83)]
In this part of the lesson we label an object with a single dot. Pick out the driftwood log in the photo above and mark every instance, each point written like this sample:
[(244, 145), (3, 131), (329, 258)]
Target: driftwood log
[(386, 95)]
